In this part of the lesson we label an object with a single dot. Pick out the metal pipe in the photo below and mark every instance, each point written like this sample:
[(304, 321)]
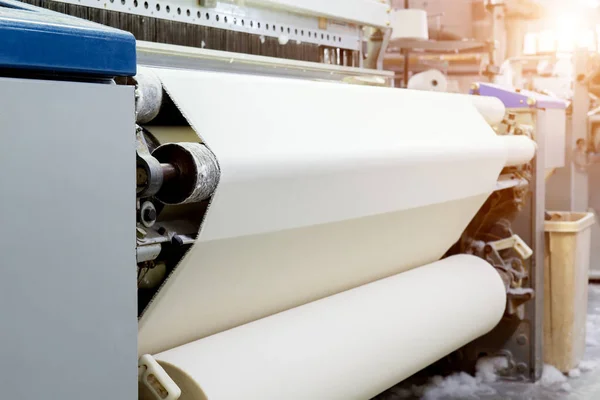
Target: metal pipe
[(406, 55), (196, 171), (148, 252), (169, 171)]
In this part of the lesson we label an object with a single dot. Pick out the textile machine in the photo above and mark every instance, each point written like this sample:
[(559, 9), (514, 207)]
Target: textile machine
[(298, 229)]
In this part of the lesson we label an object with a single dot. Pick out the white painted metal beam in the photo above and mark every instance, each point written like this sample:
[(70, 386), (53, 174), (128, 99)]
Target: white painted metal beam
[(364, 12)]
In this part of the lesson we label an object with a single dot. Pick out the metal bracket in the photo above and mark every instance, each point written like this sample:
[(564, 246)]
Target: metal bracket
[(513, 242), (387, 34), (155, 380), (149, 173)]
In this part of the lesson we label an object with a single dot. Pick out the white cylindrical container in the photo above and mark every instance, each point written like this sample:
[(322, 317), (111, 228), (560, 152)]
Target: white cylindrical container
[(409, 24)]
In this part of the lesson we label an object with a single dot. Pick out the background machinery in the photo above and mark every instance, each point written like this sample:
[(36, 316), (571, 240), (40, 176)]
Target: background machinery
[(299, 228)]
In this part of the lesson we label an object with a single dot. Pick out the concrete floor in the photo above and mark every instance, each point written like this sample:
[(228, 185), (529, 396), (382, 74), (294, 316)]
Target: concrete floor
[(586, 386)]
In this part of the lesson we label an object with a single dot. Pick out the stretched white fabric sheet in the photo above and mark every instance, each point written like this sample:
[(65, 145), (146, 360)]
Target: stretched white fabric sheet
[(324, 187), (339, 142), (352, 345), (490, 108), (173, 134)]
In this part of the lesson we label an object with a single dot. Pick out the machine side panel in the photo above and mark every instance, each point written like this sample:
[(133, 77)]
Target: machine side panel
[(67, 273)]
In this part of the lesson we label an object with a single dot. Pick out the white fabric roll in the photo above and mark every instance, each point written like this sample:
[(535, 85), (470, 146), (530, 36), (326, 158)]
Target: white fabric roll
[(352, 345), (519, 149), (409, 24), (320, 192), (432, 80), (490, 108)]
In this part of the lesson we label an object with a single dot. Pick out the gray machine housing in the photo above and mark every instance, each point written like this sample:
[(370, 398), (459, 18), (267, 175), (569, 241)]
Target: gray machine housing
[(67, 291)]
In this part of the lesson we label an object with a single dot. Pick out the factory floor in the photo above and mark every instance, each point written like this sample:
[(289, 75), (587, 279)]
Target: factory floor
[(582, 384)]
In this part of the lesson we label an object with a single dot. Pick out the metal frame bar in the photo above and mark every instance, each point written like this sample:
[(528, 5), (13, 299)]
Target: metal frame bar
[(387, 34), (366, 12), (519, 338), (446, 46), (579, 130), (524, 344), (535, 308), (171, 56), (253, 20)]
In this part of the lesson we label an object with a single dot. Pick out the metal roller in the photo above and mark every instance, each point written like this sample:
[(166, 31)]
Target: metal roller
[(148, 96), (152, 103), (195, 173)]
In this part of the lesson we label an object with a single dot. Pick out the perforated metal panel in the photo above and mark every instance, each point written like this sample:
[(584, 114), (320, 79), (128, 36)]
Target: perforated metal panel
[(254, 20)]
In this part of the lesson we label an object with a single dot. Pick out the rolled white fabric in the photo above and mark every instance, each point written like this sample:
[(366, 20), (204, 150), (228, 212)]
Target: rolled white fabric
[(432, 80), (409, 24), (352, 345), (490, 108), (519, 149)]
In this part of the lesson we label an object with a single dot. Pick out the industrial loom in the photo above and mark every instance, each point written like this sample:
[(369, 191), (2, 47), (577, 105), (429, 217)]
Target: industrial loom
[(299, 229)]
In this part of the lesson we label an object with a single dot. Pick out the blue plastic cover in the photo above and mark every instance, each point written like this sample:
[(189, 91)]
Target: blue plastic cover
[(36, 39), (519, 98)]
